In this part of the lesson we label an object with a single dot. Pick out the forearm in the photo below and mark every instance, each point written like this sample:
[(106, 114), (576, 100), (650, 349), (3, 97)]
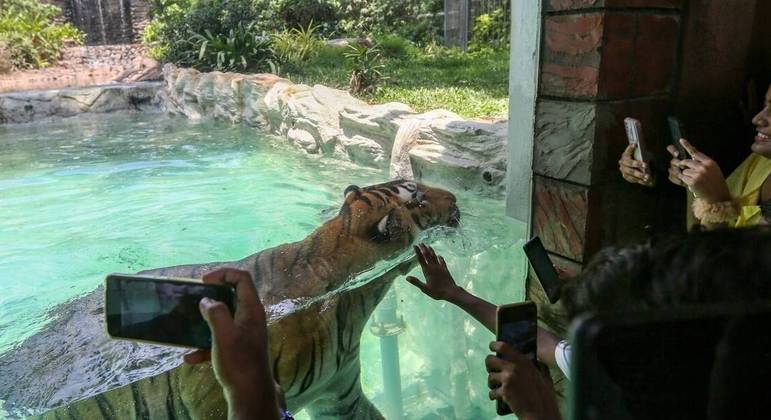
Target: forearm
[(482, 310), (262, 405), (547, 343)]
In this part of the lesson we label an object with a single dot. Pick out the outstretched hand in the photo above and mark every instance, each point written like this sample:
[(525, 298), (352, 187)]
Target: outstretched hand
[(439, 283)]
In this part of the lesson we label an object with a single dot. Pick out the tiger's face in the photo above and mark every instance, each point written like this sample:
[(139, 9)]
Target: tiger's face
[(395, 212)]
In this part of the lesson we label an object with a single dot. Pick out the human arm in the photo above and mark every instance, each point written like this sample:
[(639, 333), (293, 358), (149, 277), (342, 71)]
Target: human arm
[(713, 204), (516, 380), (634, 171), (239, 351), (440, 285)]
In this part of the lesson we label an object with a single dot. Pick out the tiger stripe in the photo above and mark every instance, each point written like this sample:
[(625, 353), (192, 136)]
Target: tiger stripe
[(315, 350)]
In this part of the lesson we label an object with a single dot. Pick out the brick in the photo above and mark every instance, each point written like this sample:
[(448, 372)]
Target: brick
[(564, 140), (608, 55), (560, 212), (561, 5), (571, 61)]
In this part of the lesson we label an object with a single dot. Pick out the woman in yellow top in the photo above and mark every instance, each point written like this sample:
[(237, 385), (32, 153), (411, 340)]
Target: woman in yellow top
[(744, 199)]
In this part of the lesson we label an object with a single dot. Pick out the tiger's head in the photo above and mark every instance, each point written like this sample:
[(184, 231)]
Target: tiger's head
[(393, 213)]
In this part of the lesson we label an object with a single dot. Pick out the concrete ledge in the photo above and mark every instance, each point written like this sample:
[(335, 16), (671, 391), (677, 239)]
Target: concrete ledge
[(25, 107)]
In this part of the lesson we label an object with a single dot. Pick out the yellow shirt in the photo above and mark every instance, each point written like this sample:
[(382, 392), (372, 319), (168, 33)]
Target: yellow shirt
[(745, 183)]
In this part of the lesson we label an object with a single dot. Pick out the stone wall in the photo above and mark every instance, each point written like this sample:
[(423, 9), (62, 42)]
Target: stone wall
[(24, 107), (319, 120)]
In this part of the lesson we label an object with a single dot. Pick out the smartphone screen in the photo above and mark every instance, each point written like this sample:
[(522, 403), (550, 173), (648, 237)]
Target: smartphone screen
[(547, 274), (517, 325), (634, 136), (677, 131), (160, 310)]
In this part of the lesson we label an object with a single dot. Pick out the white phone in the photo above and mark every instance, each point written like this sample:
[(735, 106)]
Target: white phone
[(634, 136)]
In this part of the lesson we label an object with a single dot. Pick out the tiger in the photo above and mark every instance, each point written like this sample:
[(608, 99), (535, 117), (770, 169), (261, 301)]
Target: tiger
[(314, 349)]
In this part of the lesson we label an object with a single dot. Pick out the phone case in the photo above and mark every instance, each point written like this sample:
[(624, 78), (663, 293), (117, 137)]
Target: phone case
[(634, 136), (139, 340), (526, 311)]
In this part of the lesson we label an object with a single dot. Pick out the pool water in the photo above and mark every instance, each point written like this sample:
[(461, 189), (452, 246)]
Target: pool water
[(83, 197)]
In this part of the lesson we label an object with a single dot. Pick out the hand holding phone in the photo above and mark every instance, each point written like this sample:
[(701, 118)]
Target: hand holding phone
[(161, 310), (516, 325), (634, 136), (677, 132)]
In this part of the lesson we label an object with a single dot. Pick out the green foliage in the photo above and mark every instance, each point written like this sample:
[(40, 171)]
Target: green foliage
[(178, 27), (366, 67), (296, 46), (393, 46), (416, 20), (491, 30), (27, 28), (473, 85), (301, 14), (241, 49)]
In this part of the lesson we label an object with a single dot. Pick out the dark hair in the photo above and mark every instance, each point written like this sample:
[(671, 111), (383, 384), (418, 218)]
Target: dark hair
[(720, 266)]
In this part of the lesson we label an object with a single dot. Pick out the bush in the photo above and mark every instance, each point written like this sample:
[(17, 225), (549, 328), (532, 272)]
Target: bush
[(241, 49), (178, 27), (27, 27), (300, 14), (393, 46), (297, 46), (416, 20), (366, 67), (491, 30)]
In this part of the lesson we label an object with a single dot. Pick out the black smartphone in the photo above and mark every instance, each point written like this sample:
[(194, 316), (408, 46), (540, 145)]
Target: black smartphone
[(516, 324), (160, 310), (547, 274), (677, 132)]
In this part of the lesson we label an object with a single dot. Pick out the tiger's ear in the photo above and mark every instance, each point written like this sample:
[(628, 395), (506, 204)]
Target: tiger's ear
[(389, 227), (350, 189)]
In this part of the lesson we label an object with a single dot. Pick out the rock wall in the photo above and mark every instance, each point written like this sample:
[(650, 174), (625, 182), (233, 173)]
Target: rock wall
[(26, 107), (437, 145)]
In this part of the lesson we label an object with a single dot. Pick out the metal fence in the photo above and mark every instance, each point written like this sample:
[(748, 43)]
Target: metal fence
[(459, 16)]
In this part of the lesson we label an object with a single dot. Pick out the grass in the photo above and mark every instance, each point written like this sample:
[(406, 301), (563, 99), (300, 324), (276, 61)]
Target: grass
[(473, 85)]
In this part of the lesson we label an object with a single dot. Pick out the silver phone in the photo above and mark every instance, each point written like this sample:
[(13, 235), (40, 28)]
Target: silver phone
[(634, 136)]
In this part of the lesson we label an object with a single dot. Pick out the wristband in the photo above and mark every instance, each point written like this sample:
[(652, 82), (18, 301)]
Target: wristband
[(715, 213)]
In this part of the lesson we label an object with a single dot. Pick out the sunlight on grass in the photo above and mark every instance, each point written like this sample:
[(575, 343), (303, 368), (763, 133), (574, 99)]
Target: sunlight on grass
[(473, 85)]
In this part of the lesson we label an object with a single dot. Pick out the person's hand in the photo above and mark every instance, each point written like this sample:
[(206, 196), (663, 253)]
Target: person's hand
[(439, 283), (632, 170), (675, 172), (703, 176), (518, 382), (239, 351)]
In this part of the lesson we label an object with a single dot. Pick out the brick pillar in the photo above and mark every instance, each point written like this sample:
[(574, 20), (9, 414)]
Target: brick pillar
[(601, 61)]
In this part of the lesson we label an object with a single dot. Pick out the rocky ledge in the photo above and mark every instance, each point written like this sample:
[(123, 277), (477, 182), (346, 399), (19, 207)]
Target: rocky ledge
[(23, 107), (320, 120)]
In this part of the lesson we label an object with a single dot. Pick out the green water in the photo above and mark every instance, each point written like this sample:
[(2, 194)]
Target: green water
[(83, 197)]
